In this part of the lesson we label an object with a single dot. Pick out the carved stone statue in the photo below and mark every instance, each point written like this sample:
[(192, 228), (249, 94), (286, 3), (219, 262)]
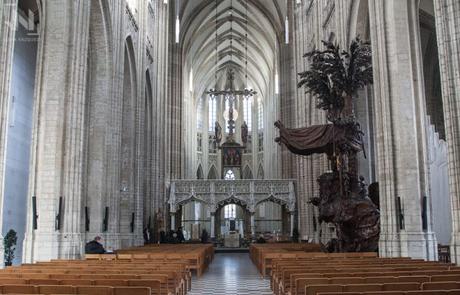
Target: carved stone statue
[(217, 132), (244, 133)]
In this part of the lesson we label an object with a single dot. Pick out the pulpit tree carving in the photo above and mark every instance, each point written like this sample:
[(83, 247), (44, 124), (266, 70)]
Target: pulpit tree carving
[(333, 79)]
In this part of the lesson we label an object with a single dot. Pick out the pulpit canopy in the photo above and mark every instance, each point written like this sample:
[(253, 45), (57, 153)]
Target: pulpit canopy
[(319, 139)]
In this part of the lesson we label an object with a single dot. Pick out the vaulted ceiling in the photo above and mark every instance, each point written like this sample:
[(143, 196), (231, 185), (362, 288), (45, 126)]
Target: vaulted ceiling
[(200, 30)]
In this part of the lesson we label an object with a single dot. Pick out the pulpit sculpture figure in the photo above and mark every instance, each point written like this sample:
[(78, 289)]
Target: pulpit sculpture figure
[(333, 79)]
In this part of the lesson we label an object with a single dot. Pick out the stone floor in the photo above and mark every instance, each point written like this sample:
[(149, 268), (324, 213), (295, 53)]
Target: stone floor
[(231, 273)]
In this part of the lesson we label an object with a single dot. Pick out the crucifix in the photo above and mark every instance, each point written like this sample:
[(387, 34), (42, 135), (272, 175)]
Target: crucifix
[(231, 150), (230, 95)]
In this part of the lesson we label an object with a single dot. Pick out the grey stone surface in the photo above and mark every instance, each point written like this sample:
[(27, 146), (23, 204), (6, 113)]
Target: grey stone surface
[(114, 120)]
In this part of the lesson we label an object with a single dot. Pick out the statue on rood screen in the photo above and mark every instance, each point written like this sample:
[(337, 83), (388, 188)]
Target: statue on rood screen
[(217, 132), (244, 133)]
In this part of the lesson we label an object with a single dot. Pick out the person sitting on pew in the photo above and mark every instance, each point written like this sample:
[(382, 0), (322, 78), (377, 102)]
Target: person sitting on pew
[(204, 236), (261, 240), (163, 237), (95, 246), (180, 235)]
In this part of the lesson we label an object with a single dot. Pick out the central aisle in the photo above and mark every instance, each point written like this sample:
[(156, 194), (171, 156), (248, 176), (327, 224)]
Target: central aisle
[(232, 273)]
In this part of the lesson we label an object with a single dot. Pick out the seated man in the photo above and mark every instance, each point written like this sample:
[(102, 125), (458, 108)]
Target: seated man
[(261, 239), (95, 246)]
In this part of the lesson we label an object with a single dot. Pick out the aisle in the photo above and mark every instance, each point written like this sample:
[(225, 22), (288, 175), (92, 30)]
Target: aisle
[(232, 273)]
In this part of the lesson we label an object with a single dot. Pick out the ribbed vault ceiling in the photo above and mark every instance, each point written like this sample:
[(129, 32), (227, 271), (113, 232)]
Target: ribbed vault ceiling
[(264, 27)]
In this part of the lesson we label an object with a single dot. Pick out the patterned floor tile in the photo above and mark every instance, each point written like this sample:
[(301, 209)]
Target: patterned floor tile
[(229, 274)]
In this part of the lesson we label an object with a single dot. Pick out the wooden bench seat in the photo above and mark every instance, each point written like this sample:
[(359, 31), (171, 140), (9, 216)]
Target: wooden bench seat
[(59, 289)]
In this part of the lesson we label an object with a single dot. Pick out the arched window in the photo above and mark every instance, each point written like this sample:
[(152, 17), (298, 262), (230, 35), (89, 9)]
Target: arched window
[(212, 113), (132, 4), (260, 115), (260, 173), (230, 211), (230, 175), (247, 111), (212, 173), (199, 173), (247, 173), (199, 114)]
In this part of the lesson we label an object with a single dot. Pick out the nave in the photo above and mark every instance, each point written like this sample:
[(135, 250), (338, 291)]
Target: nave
[(271, 268), (231, 273)]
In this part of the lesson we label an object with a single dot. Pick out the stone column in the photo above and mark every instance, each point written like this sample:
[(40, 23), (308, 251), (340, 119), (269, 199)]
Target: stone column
[(173, 220), (292, 216), (57, 136), (447, 14), (401, 141), (8, 16), (213, 225)]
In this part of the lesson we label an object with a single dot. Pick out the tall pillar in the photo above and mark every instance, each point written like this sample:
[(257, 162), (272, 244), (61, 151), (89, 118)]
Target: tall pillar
[(213, 225), (401, 141), (447, 14), (8, 16), (292, 217), (57, 136)]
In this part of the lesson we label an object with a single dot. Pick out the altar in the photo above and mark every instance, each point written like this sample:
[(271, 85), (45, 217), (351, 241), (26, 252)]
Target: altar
[(232, 240)]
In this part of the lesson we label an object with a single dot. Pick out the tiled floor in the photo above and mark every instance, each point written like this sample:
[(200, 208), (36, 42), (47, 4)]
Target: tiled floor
[(232, 273)]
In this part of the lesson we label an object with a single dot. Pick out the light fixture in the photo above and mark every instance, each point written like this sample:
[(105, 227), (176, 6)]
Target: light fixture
[(277, 82), (177, 22), (190, 81), (177, 29), (165, 1), (286, 26)]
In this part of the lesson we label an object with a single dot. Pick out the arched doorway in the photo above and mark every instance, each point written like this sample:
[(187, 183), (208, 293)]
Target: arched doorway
[(233, 225), (231, 218), (269, 220), (194, 217)]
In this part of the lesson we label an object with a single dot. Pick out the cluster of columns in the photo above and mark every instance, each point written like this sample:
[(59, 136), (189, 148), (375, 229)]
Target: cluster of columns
[(401, 138), (447, 15), (73, 34), (399, 112)]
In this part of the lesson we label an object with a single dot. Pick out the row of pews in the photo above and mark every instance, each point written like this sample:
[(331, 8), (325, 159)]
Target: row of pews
[(159, 270), (295, 273)]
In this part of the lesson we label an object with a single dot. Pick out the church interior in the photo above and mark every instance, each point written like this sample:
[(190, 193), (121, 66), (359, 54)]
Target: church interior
[(229, 147)]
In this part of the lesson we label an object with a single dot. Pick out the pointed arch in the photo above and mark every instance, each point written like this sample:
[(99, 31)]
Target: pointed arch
[(129, 139), (213, 173), (128, 125), (98, 115), (260, 172), (247, 173), (359, 20), (199, 172), (148, 148)]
